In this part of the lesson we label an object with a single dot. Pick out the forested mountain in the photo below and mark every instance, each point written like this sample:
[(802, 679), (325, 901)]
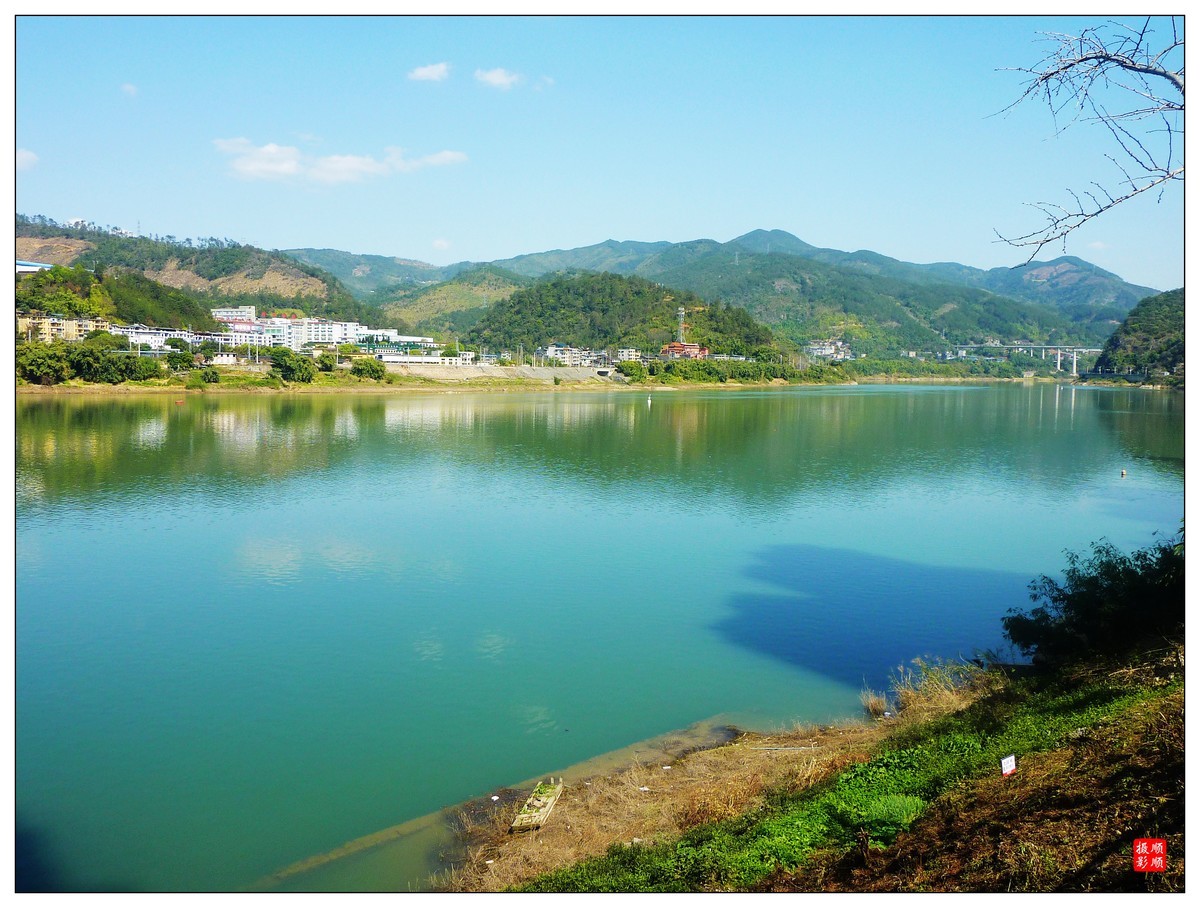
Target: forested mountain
[(805, 299), (116, 295), (601, 310), (804, 292), (877, 302), (379, 274), (1079, 289), (453, 306), (1150, 340), (209, 272)]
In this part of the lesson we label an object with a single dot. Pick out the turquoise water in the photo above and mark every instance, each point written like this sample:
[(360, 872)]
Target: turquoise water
[(252, 628)]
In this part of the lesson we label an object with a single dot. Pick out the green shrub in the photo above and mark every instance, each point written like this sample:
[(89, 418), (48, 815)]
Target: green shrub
[(365, 367), (291, 366), (633, 370), (1107, 604), (43, 364)]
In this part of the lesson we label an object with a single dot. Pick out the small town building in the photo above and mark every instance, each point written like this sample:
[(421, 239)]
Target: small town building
[(681, 350), (46, 328)]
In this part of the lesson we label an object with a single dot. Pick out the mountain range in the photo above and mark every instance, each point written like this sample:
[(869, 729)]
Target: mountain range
[(800, 290)]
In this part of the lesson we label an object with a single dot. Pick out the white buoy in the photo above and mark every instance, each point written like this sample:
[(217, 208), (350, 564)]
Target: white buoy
[(1122, 472)]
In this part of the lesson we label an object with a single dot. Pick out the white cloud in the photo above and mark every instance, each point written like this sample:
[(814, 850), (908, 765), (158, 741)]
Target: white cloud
[(497, 78), (265, 162), (1097, 245), (441, 245), (26, 159), (130, 89), (396, 159), (345, 168), (435, 72), (276, 162), (544, 82)]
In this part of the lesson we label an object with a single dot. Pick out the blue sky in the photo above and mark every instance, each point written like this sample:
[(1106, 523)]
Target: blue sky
[(477, 138)]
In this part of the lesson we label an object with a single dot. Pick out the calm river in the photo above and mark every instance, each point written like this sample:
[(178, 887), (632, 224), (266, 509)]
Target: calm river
[(252, 628)]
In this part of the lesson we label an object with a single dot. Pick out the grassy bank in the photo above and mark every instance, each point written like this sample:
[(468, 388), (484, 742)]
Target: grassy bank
[(911, 803)]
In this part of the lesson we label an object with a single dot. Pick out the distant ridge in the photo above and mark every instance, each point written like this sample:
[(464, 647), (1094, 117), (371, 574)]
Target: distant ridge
[(1078, 288)]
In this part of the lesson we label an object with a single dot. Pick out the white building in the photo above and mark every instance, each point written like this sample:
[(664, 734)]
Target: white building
[(465, 358), (235, 314)]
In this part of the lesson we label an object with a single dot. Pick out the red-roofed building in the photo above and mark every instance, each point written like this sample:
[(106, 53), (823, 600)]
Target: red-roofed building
[(679, 350)]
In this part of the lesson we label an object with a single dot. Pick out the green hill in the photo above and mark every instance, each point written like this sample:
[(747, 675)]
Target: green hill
[(805, 299), (1150, 340), (616, 256), (455, 305), (1078, 289), (199, 275), (607, 310), (878, 303), (367, 274)]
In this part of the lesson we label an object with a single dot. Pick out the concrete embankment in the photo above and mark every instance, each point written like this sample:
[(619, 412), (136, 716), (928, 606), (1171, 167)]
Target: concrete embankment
[(545, 374)]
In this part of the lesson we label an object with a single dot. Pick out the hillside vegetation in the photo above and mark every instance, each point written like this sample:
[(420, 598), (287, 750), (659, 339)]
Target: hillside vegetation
[(210, 272), (122, 296), (1150, 340), (455, 305), (370, 274), (608, 310), (878, 304), (805, 300)]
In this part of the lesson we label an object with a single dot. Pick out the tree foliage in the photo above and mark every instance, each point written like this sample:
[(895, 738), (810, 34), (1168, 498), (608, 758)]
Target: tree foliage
[(49, 364), (74, 292), (210, 258), (1107, 604), (291, 366), (368, 367), (603, 311), (1150, 340)]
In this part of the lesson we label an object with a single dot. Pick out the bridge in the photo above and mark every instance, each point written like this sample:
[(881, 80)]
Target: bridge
[(1056, 350)]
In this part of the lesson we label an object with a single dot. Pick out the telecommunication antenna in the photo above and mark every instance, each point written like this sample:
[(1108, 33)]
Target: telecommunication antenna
[(680, 313)]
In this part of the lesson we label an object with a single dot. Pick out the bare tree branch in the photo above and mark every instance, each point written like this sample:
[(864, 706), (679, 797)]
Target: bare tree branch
[(1075, 79)]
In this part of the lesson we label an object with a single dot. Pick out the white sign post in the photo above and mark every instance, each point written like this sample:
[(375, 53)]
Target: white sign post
[(1009, 765)]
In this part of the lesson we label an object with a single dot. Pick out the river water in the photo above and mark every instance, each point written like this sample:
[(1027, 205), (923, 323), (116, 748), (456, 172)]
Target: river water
[(250, 628)]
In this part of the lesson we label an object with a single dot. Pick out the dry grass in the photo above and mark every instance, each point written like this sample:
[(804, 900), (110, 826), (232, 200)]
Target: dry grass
[(650, 802), (874, 703), (934, 687)]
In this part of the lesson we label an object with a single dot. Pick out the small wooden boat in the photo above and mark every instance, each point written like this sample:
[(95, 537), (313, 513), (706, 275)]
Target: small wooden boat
[(538, 806)]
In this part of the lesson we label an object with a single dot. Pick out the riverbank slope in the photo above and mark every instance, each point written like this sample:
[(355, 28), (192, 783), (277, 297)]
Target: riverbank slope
[(917, 802)]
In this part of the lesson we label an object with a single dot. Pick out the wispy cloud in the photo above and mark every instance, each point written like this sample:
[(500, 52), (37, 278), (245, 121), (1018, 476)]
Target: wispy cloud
[(261, 162), (345, 168), (497, 78), (397, 160), (281, 162), (130, 89), (26, 159), (441, 245), (434, 72)]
